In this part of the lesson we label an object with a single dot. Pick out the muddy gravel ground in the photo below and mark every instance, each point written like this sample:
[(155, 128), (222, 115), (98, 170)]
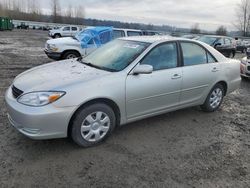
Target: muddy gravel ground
[(186, 148)]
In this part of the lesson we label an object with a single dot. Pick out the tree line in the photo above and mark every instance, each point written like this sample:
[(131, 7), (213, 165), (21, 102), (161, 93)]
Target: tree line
[(31, 10)]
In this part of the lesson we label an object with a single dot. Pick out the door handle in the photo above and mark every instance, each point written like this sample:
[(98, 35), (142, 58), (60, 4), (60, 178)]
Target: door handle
[(176, 76), (215, 69)]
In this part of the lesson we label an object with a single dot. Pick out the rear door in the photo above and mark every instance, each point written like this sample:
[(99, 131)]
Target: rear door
[(200, 71)]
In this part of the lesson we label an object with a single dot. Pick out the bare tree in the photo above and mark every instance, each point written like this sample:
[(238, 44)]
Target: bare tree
[(221, 30), (56, 10), (243, 17), (195, 29), (69, 11), (79, 14)]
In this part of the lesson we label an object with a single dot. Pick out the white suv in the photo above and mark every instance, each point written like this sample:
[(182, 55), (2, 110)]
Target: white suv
[(76, 46), (66, 31)]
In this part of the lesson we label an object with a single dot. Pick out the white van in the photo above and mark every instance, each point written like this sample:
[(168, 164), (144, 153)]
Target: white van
[(118, 33)]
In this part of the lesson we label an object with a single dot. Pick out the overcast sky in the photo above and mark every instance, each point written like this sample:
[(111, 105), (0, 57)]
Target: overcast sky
[(181, 13)]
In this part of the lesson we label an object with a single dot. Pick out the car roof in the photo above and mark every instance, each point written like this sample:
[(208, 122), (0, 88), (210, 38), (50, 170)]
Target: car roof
[(123, 29), (153, 39), (157, 39), (217, 36)]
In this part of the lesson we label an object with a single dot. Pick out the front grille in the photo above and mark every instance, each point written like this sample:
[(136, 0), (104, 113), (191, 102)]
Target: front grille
[(16, 92)]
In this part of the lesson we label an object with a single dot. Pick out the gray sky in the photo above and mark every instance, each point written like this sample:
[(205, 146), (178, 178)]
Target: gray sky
[(180, 13)]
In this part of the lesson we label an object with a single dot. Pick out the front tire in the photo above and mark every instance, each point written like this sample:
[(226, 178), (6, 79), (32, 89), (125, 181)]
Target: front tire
[(93, 124), (57, 36), (71, 55), (214, 99)]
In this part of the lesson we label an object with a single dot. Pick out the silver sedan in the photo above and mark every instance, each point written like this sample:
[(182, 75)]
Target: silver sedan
[(126, 80)]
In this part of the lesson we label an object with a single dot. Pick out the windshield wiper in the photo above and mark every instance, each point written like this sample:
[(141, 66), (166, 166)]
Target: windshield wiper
[(80, 59)]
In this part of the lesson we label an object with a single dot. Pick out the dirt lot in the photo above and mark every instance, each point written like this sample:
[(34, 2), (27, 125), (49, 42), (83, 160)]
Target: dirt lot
[(187, 148)]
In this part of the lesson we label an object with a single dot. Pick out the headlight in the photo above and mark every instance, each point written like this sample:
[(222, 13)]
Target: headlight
[(52, 47), (37, 99)]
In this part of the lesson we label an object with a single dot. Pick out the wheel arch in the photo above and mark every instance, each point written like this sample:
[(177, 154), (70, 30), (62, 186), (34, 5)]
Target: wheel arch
[(70, 50), (54, 35), (225, 86), (106, 101)]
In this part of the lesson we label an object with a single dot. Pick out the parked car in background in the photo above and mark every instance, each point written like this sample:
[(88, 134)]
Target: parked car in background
[(23, 25), (190, 36), (150, 33), (66, 31), (242, 45), (245, 65), (118, 33), (123, 81), (70, 47), (81, 44), (225, 45)]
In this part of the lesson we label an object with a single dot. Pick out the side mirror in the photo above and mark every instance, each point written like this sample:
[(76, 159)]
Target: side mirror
[(143, 69)]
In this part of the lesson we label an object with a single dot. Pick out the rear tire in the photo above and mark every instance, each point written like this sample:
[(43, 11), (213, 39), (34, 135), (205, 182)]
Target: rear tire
[(93, 124), (214, 99), (71, 55)]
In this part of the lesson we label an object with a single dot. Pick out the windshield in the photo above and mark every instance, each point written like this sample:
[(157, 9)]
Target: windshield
[(208, 40), (116, 55)]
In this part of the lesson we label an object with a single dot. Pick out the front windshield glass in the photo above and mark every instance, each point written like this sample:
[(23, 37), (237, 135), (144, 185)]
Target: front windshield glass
[(208, 40), (116, 55)]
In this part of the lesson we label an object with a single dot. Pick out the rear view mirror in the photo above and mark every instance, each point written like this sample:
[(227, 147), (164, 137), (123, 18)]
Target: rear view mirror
[(143, 69)]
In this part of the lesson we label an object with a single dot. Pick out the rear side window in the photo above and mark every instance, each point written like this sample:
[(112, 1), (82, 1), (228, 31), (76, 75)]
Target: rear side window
[(134, 33), (74, 28), (193, 54), (118, 34)]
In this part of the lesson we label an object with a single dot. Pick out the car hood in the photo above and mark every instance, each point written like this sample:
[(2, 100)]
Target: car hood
[(55, 76), (64, 40)]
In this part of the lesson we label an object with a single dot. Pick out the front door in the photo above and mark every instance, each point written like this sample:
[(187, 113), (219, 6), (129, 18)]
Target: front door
[(151, 93)]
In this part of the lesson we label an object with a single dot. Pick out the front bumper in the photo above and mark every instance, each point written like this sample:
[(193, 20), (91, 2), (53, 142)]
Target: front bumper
[(245, 70), (47, 122), (53, 55)]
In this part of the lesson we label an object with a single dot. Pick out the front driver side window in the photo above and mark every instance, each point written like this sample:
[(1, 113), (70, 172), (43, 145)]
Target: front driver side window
[(162, 57)]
